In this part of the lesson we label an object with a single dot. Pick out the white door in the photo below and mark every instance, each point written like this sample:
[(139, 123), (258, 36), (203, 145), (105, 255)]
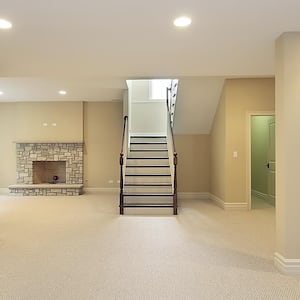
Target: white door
[(271, 164)]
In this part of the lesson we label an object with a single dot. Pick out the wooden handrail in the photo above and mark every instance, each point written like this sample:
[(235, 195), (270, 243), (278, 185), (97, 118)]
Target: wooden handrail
[(175, 204), (124, 131), (171, 128), (121, 166), (170, 95)]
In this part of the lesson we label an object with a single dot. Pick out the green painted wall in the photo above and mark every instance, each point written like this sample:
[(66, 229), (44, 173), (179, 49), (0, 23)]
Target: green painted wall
[(259, 152)]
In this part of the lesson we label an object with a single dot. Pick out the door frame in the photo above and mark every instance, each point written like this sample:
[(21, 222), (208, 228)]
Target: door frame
[(248, 149)]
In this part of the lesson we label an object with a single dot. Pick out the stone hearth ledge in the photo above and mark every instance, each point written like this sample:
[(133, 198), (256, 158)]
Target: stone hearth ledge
[(44, 189)]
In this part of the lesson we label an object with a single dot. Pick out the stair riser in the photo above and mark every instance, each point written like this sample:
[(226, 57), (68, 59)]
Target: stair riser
[(148, 146), (150, 154), (148, 140), (141, 170), (149, 199), (147, 179), (147, 189), (145, 162), (148, 211)]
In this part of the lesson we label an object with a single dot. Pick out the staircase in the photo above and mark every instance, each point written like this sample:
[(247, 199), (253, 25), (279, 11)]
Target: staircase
[(148, 182), (148, 159)]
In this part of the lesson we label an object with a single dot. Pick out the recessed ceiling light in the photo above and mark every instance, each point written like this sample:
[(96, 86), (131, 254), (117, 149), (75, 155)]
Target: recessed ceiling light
[(182, 22), (1, 93), (4, 24), (62, 92)]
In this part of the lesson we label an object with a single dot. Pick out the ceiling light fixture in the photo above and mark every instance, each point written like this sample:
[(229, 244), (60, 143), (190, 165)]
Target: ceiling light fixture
[(4, 24), (62, 92), (1, 93), (182, 22)]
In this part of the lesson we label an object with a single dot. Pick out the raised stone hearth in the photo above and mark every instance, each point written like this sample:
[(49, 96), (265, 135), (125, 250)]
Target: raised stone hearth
[(43, 182), (46, 189)]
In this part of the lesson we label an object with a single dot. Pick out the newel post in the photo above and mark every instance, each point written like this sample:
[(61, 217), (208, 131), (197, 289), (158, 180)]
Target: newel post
[(121, 184), (175, 184)]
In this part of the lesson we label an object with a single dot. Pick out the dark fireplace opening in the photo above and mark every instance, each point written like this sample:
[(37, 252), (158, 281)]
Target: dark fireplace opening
[(48, 172)]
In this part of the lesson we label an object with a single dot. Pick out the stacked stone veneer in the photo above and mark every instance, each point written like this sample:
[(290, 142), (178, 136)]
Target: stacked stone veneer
[(71, 153), (45, 190)]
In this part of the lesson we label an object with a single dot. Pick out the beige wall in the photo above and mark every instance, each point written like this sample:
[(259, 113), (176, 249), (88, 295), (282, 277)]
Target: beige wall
[(102, 135), (7, 145), (241, 96), (23, 121), (103, 124), (193, 162), (100, 126), (30, 117), (218, 150), (288, 148)]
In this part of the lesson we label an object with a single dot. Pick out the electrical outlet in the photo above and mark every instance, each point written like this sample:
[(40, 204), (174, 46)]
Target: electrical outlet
[(110, 181)]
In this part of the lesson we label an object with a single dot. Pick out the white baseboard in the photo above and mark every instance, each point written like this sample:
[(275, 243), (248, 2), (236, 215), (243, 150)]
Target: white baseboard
[(219, 202), (228, 205), (181, 196), (236, 206), (259, 195), (4, 191), (264, 197), (192, 196), (287, 265), (101, 190)]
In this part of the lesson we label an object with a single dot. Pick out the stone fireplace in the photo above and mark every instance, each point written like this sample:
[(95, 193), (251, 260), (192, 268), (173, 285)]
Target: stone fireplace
[(49, 169)]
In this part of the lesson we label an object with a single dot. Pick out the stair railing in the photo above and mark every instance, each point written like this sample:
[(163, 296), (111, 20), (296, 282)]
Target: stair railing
[(171, 100), (123, 155)]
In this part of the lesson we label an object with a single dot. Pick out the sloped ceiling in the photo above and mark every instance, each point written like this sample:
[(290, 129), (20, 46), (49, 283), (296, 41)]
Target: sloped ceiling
[(90, 48), (196, 104)]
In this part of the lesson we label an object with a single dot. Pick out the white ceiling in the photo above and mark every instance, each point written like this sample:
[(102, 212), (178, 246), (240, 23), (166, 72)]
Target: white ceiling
[(90, 47)]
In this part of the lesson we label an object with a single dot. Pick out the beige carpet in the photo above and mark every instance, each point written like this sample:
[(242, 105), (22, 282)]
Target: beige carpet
[(80, 248)]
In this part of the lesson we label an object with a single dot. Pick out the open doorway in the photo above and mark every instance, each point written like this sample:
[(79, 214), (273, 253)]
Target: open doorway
[(262, 161)]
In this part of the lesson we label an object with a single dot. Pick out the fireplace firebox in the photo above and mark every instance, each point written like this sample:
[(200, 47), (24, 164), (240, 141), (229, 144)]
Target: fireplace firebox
[(48, 172)]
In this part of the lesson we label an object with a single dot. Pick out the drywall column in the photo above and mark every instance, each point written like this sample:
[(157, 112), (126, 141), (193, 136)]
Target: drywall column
[(287, 103)]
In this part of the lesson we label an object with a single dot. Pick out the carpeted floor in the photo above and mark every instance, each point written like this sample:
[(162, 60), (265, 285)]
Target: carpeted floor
[(80, 248)]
